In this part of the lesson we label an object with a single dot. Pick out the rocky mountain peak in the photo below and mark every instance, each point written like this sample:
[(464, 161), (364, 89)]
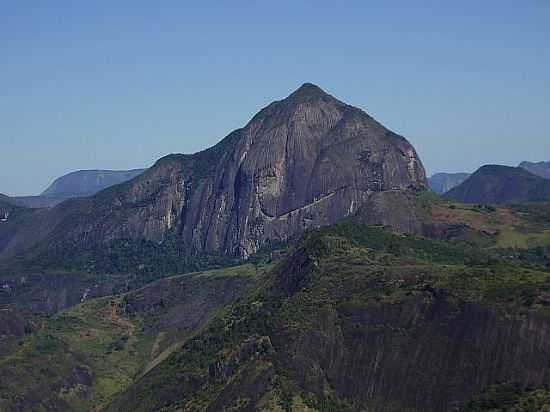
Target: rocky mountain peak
[(308, 91), (307, 105), (304, 161)]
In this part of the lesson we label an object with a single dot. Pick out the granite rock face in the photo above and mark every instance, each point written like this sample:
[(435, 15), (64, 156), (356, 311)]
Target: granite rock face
[(301, 162), (426, 354)]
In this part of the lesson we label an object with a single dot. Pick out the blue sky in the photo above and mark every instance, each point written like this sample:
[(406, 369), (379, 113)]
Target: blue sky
[(118, 84)]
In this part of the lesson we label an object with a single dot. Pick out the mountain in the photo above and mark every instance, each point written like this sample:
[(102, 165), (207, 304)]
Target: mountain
[(501, 184), (541, 169), (77, 184), (443, 182), (88, 182), (350, 318), (353, 319), (302, 162), (395, 299)]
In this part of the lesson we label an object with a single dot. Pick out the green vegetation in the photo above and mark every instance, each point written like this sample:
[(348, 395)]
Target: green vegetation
[(535, 213), (57, 364), (513, 239), (343, 268), (80, 358), (525, 226), (256, 316), (510, 398), (330, 405), (143, 261), (148, 258)]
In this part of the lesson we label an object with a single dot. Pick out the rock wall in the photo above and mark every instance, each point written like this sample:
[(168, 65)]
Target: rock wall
[(302, 162), (431, 353)]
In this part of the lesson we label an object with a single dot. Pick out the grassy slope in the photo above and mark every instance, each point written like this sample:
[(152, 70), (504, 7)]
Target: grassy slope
[(91, 342), (514, 226), (343, 266), (78, 359)]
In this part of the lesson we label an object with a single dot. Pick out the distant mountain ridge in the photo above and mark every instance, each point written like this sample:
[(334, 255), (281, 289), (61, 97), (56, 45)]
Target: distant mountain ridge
[(443, 182), (81, 183), (501, 184), (541, 169), (88, 182)]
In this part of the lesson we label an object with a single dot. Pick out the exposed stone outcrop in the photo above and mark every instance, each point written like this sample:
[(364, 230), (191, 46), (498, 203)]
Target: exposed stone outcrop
[(305, 161), (425, 354)]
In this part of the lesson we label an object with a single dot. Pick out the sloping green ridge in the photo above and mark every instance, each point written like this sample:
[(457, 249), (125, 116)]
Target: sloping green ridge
[(323, 293), (78, 359), (330, 327)]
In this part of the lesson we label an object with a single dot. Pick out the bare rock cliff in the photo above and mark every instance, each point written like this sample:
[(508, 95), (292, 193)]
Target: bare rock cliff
[(305, 161)]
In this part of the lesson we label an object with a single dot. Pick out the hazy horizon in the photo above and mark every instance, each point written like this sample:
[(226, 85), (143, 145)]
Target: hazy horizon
[(103, 86)]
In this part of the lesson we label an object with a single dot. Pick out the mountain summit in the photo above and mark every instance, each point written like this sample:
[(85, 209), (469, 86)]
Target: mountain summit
[(308, 90), (305, 161)]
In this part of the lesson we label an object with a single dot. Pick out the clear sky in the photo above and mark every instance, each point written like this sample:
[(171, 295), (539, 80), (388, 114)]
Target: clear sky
[(118, 84)]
